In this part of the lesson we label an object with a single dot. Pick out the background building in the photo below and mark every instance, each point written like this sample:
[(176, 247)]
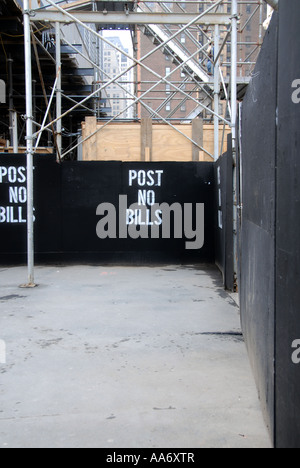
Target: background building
[(165, 100), (170, 103), (114, 63)]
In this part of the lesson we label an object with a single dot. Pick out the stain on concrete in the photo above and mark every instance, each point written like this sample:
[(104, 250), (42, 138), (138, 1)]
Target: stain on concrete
[(11, 297), (230, 335), (47, 343), (164, 409)]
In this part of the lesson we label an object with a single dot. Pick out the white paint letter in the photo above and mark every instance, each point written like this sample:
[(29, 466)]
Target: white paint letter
[(22, 175), (13, 194), (3, 173), (150, 182), (132, 177), (2, 214), (142, 178), (142, 197), (159, 174)]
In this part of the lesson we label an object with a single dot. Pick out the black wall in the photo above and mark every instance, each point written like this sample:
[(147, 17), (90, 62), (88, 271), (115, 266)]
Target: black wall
[(287, 377), (257, 237), (270, 226), (67, 197), (224, 217)]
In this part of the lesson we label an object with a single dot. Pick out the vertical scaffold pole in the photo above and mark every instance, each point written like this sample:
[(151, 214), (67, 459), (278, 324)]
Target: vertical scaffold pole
[(234, 40), (58, 91), (216, 92), (29, 146)]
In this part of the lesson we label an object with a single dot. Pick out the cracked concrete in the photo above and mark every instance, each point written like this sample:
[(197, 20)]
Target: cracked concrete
[(124, 357)]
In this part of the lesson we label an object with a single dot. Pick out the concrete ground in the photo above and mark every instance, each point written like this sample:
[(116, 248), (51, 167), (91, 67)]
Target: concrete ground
[(121, 357)]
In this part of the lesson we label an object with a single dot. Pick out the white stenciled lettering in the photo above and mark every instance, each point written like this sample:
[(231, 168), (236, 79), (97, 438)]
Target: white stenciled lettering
[(145, 178), (17, 195), (12, 214), (2, 214), (21, 175), (146, 197), (15, 211), (12, 174)]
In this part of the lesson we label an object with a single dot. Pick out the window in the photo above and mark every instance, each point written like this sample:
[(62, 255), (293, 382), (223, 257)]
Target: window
[(248, 39), (168, 107), (182, 38)]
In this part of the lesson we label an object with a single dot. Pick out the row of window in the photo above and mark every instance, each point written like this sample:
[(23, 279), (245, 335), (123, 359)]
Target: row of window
[(169, 107)]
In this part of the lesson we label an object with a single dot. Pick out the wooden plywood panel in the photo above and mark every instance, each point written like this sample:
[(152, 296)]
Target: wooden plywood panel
[(169, 145), (208, 138), (197, 133), (91, 148), (132, 142), (119, 143), (146, 140), (115, 143)]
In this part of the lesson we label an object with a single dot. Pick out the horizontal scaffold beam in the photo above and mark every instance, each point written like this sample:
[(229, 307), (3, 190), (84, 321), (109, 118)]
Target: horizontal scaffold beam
[(131, 18)]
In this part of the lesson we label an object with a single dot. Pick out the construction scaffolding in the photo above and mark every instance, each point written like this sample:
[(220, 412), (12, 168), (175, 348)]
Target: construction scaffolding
[(212, 68)]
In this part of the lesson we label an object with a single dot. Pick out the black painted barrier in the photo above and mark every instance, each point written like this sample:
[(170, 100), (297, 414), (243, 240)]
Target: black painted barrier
[(257, 237), (270, 225), (68, 227), (224, 216)]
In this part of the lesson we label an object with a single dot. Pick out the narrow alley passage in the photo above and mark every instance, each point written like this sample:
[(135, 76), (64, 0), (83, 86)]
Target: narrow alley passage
[(125, 357)]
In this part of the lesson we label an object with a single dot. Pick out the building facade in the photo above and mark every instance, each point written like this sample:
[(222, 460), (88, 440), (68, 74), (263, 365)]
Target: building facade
[(114, 64)]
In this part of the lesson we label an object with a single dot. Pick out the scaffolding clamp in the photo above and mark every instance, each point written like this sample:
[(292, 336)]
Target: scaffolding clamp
[(30, 13)]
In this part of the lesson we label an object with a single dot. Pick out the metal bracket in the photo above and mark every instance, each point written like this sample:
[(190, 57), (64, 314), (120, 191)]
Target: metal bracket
[(30, 13), (25, 118)]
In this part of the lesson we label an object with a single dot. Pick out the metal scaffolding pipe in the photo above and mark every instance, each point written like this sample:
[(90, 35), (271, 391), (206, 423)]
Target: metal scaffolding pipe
[(137, 100), (141, 18), (29, 145), (13, 123), (136, 62), (58, 89), (216, 92), (234, 108)]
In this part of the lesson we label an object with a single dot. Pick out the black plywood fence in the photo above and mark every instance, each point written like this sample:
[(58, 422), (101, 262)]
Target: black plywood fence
[(224, 216), (270, 225), (109, 211)]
